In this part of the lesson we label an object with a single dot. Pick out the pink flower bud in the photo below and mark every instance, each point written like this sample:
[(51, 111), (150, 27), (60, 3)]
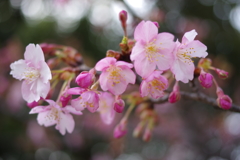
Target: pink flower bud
[(32, 104), (223, 101), (205, 79), (120, 130), (65, 98), (221, 73), (119, 105), (137, 131), (85, 79), (147, 135), (123, 16), (175, 95), (156, 24)]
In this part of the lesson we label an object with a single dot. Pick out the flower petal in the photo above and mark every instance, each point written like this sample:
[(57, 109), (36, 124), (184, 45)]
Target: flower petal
[(44, 119), (18, 68), (138, 51), (45, 72), (145, 31), (105, 63), (27, 94), (38, 109), (144, 67), (70, 109), (66, 123), (129, 75), (196, 49), (34, 54), (189, 36)]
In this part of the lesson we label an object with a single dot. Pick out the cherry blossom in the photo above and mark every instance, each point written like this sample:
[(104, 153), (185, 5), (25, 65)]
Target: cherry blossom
[(154, 85), (151, 49), (183, 66), (54, 114), (115, 75), (35, 73)]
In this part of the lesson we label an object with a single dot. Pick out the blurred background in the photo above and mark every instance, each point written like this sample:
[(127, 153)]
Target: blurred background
[(188, 130)]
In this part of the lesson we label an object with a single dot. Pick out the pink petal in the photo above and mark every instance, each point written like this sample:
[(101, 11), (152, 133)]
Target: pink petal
[(165, 42), (66, 123), (118, 88), (155, 93), (45, 72), (27, 94), (145, 31), (189, 36), (38, 109), (144, 89), (18, 68), (196, 49), (77, 104), (138, 51), (75, 91), (44, 119), (103, 80), (183, 71), (124, 64), (144, 67), (164, 62), (70, 109), (43, 88), (34, 54), (105, 63), (129, 75), (51, 103)]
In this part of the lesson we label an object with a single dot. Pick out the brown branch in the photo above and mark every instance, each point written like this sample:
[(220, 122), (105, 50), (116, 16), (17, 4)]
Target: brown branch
[(201, 97)]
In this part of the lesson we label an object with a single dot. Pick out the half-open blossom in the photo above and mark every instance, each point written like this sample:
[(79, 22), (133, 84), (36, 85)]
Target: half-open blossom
[(151, 49), (175, 95), (54, 114), (105, 109), (35, 73), (88, 99), (205, 79), (223, 101), (183, 67), (85, 79), (154, 85), (119, 105), (115, 75)]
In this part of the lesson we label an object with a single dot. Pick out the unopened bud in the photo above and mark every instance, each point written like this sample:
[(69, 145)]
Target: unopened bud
[(85, 79), (65, 98), (223, 101), (175, 95), (66, 75), (32, 104), (156, 24), (138, 130), (147, 135), (120, 130), (205, 79), (119, 105), (205, 63), (221, 73), (123, 16), (111, 53)]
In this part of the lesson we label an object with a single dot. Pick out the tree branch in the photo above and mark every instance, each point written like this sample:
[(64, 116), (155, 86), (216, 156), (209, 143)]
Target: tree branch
[(199, 97)]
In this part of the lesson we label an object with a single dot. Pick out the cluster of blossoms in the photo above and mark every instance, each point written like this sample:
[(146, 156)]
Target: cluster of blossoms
[(152, 60)]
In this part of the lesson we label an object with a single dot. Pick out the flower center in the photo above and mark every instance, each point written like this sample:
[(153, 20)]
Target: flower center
[(152, 51), (53, 115), (158, 85), (115, 74), (31, 74), (185, 55)]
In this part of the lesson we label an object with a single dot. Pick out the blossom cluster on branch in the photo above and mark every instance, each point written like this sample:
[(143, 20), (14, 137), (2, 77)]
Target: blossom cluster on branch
[(153, 61)]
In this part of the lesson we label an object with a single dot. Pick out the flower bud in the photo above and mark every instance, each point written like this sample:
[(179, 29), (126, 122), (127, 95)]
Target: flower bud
[(156, 24), (221, 73), (205, 79), (223, 101), (32, 104), (85, 79), (65, 98), (115, 54), (120, 130), (147, 135), (137, 131), (205, 63), (175, 95), (119, 105), (123, 16)]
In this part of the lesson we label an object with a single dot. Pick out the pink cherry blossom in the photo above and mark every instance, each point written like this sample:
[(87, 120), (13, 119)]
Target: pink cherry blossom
[(183, 67), (53, 114), (151, 49), (88, 99), (223, 101), (205, 79), (115, 75), (105, 109), (154, 85), (35, 73), (85, 79)]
